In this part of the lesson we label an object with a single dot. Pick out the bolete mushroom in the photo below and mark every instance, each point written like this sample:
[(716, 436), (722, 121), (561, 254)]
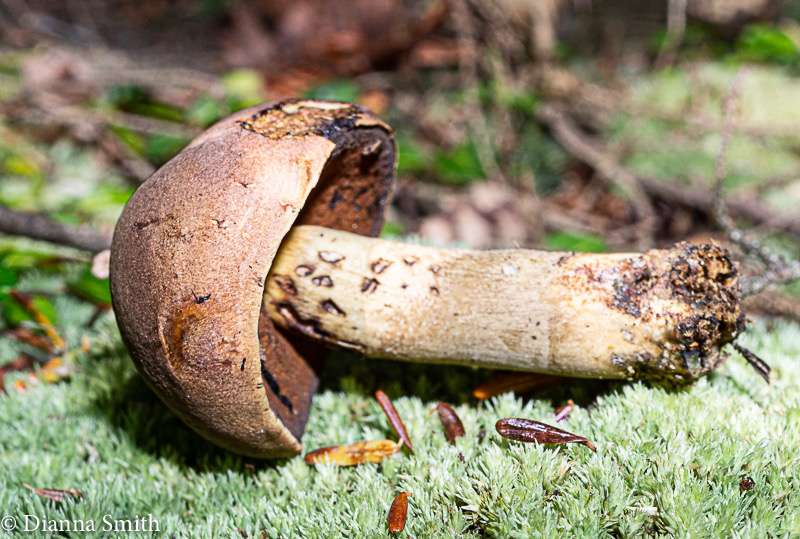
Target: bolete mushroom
[(226, 311)]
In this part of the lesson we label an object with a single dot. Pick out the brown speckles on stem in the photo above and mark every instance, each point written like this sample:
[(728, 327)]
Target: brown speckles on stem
[(369, 285), (286, 284), (331, 257), (323, 280), (304, 270), (379, 266), (434, 291), (329, 306), (410, 260), (435, 269)]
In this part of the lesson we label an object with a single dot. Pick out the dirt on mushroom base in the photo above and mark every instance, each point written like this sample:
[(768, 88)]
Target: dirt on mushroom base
[(692, 291)]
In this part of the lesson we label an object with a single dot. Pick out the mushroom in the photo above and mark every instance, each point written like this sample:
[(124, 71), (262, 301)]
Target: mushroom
[(238, 262)]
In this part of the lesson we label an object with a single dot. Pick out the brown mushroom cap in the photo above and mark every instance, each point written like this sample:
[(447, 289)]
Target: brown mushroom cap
[(196, 241)]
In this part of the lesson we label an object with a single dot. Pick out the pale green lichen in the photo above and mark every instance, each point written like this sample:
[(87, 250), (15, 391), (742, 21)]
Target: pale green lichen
[(668, 461)]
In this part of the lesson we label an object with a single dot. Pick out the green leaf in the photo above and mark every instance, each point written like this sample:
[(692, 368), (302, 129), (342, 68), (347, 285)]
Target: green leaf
[(412, 158), (765, 43), (204, 112), (460, 166), (125, 95), (392, 230), (14, 313), (337, 90), (135, 99), (161, 148), (243, 88), (135, 141), (7, 277), (90, 288), (20, 260), (579, 242), (17, 165), (154, 109)]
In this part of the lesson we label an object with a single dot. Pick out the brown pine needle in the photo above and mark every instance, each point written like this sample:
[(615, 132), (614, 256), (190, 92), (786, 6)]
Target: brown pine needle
[(394, 418), (55, 494), (756, 362), (398, 513), (453, 428), (528, 430), (518, 382), (563, 412), (41, 319), (352, 454)]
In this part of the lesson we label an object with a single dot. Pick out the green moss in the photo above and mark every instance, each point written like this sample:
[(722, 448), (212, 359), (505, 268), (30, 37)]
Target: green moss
[(668, 461)]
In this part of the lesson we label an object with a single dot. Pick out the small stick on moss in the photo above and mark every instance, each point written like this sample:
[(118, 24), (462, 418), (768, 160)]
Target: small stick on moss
[(563, 412), (527, 430), (41, 319), (394, 418), (25, 335), (518, 382), (756, 362), (453, 428), (398, 513), (356, 453), (23, 362), (55, 494)]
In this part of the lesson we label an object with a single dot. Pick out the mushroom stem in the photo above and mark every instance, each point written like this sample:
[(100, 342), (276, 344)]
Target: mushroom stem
[(661, 315)]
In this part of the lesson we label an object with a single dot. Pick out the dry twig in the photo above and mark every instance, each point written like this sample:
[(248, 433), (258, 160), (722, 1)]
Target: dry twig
[(39, 227), (583, 148), (778, 271)]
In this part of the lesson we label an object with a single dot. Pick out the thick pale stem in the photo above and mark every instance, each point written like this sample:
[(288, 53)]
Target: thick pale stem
[(662, 314)]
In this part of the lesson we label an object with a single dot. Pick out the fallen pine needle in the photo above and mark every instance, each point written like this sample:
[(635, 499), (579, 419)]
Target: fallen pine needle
[(563, 412), (355, 453), (41, 319), (55, 494), (453, 428), (527, 430), (518, 382), (394, 418), (398, 513)]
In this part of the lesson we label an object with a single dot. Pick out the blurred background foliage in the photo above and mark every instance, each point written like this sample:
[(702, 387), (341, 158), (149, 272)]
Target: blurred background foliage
[(95, 96)]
